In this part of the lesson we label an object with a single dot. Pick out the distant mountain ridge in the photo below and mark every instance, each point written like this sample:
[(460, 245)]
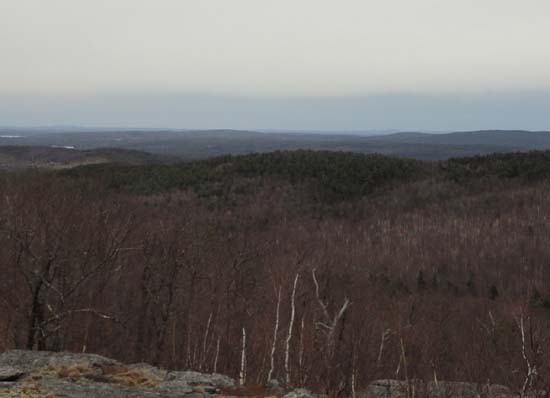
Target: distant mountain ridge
[(28, 157), (517, 138), (196, 144)]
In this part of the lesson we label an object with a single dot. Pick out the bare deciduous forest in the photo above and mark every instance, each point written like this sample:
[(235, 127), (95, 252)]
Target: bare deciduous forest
[(321, 269)]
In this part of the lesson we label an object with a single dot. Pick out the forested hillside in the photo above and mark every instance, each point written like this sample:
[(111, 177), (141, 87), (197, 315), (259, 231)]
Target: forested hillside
[(333, 176), (322, 269), (201, 144), (28, 157)]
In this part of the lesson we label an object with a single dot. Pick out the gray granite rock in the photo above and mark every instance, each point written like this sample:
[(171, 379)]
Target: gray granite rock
[(300, 393), (50, 373), (273, 386), (196, 378), (4, 385), (398, 389), (10, 373), (27, 361)]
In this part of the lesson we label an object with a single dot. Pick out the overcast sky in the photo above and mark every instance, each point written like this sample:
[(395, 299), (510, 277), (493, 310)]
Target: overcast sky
[(293, 64)]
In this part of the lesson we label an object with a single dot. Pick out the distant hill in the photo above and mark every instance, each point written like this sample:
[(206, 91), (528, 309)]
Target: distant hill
[(197, 144), (329, 177), (18, 157), (517, 139)]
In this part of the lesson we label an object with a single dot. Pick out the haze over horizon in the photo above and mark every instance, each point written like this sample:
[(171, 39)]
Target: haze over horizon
[(244, 64)]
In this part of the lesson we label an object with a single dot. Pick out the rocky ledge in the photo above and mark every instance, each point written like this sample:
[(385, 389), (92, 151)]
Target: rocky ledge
[(46, 375), (443, 389), (39, 374)]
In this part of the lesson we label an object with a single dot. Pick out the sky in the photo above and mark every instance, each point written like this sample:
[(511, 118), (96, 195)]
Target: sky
[(285, 64)]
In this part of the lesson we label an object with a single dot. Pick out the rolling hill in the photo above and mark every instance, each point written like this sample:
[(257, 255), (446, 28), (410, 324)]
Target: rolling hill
[(20, 157), (197, 144)]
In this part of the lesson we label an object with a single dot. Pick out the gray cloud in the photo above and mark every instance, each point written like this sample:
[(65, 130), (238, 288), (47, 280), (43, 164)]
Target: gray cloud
[(216, 53), (405, 112)]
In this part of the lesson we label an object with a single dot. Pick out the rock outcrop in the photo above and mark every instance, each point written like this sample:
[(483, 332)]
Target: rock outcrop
[(442, 389), (10, 374), (300, 393), (46, 374), (274, 387), (38, 374)]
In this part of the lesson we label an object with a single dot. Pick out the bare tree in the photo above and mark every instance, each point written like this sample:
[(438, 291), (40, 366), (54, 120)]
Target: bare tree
[(275, 333), (290, 328), (242, 373), (330, 323), (328, 326), (531, 352)]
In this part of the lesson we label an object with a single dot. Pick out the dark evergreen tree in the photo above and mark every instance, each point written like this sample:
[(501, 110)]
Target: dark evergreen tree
[(471, 283), (420, 282), (493, 292)]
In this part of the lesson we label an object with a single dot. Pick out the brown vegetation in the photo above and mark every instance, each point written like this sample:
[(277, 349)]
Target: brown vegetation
[(109, 374), (430, 278)]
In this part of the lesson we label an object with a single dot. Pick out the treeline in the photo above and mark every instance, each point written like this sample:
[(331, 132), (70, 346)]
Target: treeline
[(438, 271), (531, 166), (332, 176)]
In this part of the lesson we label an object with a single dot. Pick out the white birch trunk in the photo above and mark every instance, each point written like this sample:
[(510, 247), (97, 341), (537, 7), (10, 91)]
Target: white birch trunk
[(275, 332), (301, 352), (217, 355), (242, 374), (531, 367), (204, 341), (290, 327)]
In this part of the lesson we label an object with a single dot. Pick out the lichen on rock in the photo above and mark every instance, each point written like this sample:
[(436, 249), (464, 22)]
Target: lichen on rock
[(40, 374)]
